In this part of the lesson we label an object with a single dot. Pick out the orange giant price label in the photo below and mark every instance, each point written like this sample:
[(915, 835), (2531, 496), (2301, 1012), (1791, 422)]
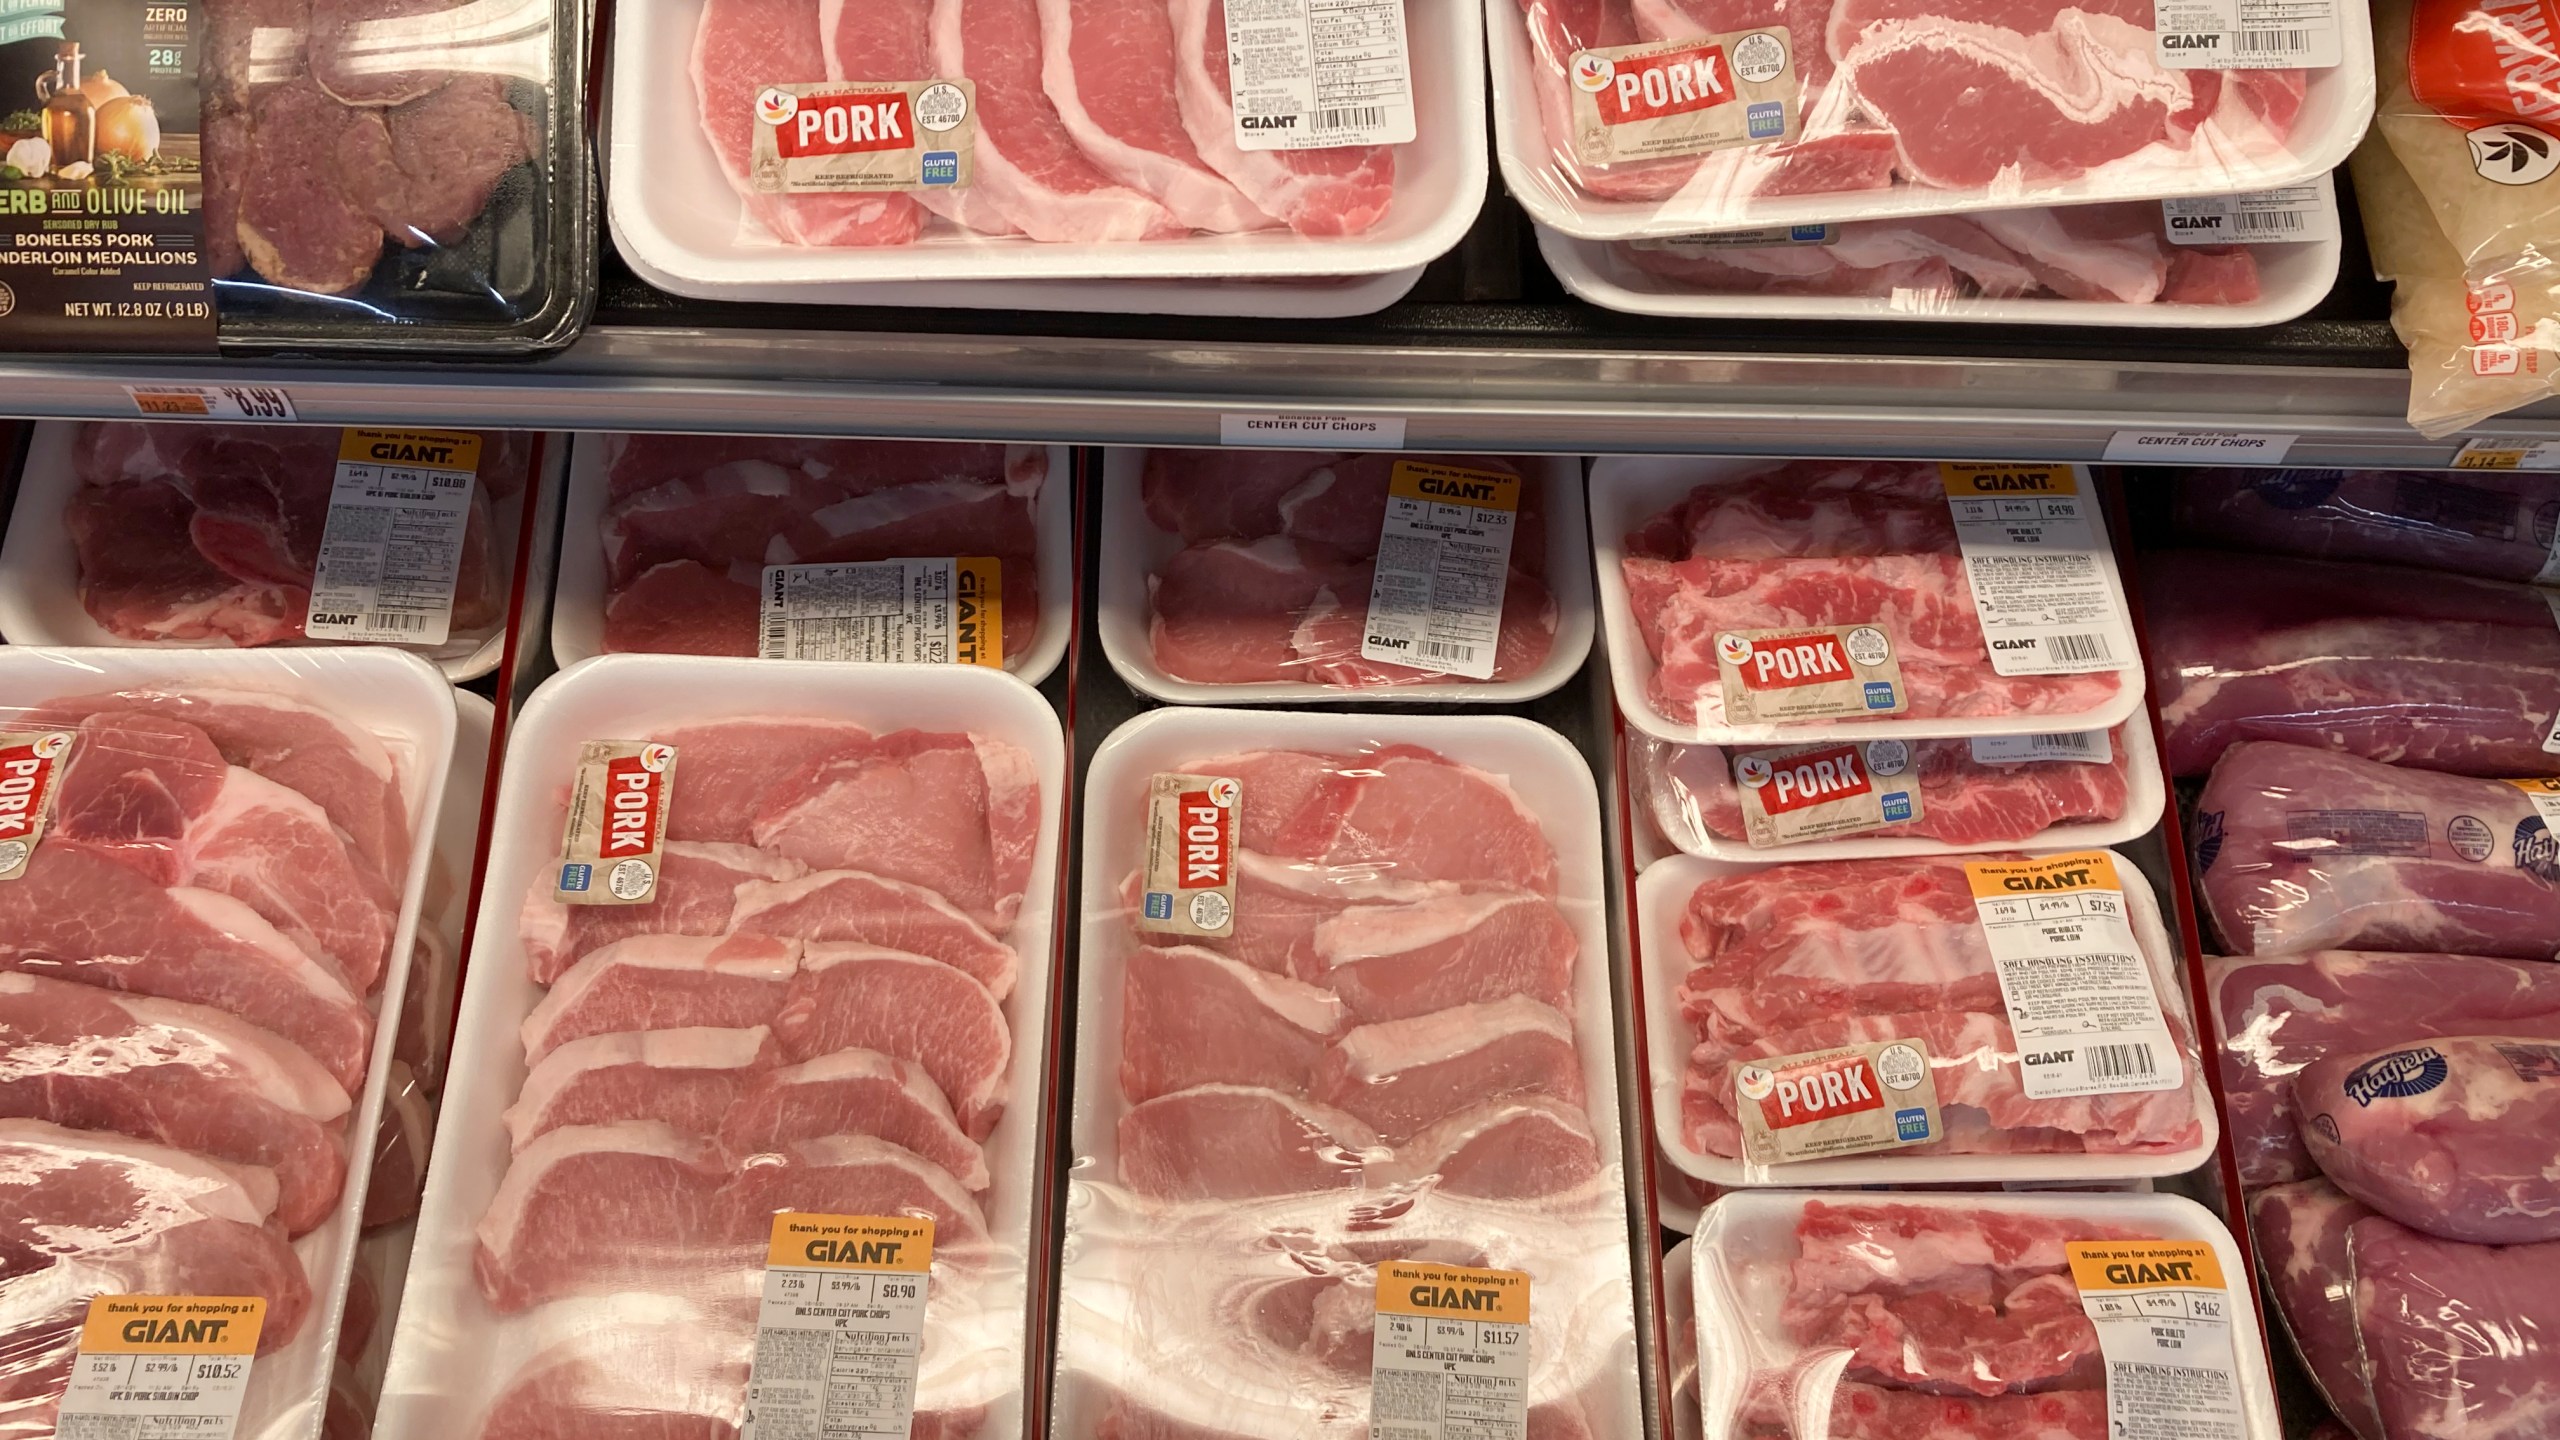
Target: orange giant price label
[(1462, 1292), (173, 1325), (900, 1243), (2052, 875)]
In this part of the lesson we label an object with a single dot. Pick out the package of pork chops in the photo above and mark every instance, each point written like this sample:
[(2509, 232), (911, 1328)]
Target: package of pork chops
[(746, 1112), (1345, 1116)]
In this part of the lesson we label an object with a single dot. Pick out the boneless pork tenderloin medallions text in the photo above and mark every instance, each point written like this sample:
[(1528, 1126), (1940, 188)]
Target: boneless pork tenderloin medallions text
[(810, 1015)]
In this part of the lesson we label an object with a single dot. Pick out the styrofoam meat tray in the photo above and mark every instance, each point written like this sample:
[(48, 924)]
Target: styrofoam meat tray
[(1662, 895), (1137, 549), (452, 1354), (577, 607), (40, 571), (1628, 490), (1548, 774), (674, 214), (403, 701)]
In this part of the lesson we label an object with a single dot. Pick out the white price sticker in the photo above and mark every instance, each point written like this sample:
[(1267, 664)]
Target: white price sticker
[(2293, 215), (2213, 447), (2073, 980), (912, 612), (2162, 1309), (2247, 34), (1307, 431), (392, 551), (1444, 560), (1317, 74), (161, 1367), (2034, 557), (2088, 747), (1451, 1358), (211, 402), (840, 1328)]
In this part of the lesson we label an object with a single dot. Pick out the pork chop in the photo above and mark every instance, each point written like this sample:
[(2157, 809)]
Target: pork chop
[(1399, 1076), (861, 997), (1238, 1142), (852, 1092), (1190, 1017), (1109, 66), (1393, 962), (850, 906), (685, 1078), (664, 982)]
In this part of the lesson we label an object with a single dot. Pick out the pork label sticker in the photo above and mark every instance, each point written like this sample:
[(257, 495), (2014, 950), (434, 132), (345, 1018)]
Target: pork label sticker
[(840, 1328), (2162, 1309), (1780, 677), (609, 854), (162, 1367), (2293, 215), (1315, 74), (1451, 1358), (837, 136), (1683, 97), (2247, 34), (391, 552), (1816, 792), (2087, 747), (2033, 552), (2078, 991), (1444, 560), (1880, 1095), (30, 762), (915, 612), (1190, 877)]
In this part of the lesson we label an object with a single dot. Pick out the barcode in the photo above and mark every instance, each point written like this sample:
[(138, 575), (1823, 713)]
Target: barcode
[(380, 621), (2075, 743), (2264, 222), (1443, 650), (2076, 648), (2108, 1062), (777, 639), (2271, 42), (1351, 117)]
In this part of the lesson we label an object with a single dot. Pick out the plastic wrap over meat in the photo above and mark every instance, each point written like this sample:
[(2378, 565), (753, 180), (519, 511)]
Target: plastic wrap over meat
[(210, 534), (2304, 849), (2302, 1229), (2461, 1339), (2279, 1013), (2458, 1136), (1279, 559), (2500, 525), (1398, 1053), (691, 521), (2433, 671)]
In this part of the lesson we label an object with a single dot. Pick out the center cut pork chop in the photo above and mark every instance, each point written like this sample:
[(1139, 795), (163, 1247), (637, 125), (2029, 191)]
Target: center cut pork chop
[(953, 813), (1191, 1017), (1110, 66), (1028, 166), (741, 46)]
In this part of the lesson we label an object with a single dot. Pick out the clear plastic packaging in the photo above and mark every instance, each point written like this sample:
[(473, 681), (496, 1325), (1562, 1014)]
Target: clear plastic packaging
[(2301, 1230), (2456, 1136), (1242, 576), (1906, 112), (651, 1318), (2495, 524), (2457, 1338), (1403, 1050), (1690, 546), (280, 886), (2301, 849), (666, 537), (1969, 804), (2434, 671), (1884, 1318), (1745, 962), (2089, 265), (2277, 1014), (171, 535)]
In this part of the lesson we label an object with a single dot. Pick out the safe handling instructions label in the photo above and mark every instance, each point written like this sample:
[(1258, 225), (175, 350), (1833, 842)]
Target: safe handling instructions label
[(1315, 74), (2078, 992), (2032, 554), (2163, 1313), (618, 800), (924, 612), (393, 547), (161, 1367), (1451, 1359), (1190, 876), (2247, 34), (840, 1329), (1444, 557), (30, 763)]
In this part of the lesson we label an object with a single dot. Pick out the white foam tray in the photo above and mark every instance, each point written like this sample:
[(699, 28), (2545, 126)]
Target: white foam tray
[(452, 1354), (2335, 110), (577, 607), (1138, 549), (2291, 279), (1739, 1276), (676, 218), (2146, 792), (1662, 894), (1629, 490), (401, 699), (40, 571), (1547, 773)]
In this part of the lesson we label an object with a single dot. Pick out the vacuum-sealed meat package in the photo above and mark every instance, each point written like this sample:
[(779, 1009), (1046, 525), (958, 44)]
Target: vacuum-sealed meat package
[(212, 891), (787, 1063), (2456, 1136), (2437, 672), (2301, 849), (2302, 1229), (2499, 525), (2458, 1337), (1344, 1084)]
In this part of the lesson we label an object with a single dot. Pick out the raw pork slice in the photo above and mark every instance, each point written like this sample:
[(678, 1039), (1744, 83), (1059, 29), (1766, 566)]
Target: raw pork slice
[(686, 608), (1392, 962), (1190, 1017), (955, 814), (742, 45), (1849, 1248), (2458, 1337), (298, 225), (2302, 1231), (891, 40), (665, 982), (180, 1075), (2457, 1137), (853, 1175), (1281, 904), (2033, 1337), (1235, 1142), (698, 888), (852, 1092), (636, 463), (1520, 1147), (1110, 67), (1341, 190), (599, 1209), (686, 1078), (1401, 812), (861, 997), (862, 909), (1028, 168), (2494, 524), (141, 575), (1204, 495), (729, 771), (1876, 1412), (1401, 1075), (684, 1381)]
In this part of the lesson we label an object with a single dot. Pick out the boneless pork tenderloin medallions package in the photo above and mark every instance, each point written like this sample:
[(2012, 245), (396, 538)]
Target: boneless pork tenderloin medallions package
[(208, 905), (1266, 575), (1345, 1091), (759, 1047), (1958, 1019), (1752, 602), (220, 536), (989, 140), (2063, 1317), (1624, 119), (808, 549)]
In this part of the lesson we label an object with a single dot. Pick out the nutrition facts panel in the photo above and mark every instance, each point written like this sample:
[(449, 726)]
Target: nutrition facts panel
[(839, 1334)]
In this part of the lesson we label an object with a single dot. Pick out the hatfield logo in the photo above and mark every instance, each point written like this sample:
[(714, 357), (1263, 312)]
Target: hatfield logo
[(2397, 1076)]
